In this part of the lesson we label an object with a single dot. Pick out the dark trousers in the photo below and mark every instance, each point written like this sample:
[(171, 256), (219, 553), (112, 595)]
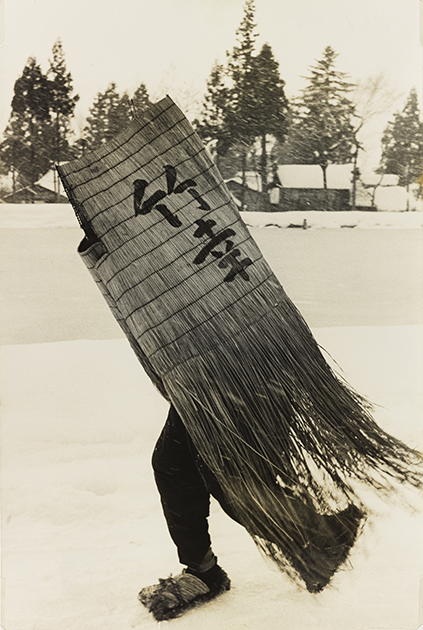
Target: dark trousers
[(184, 491)]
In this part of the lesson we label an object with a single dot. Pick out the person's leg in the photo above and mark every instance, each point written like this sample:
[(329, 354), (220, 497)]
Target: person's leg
[(184, 495), (186, 502)]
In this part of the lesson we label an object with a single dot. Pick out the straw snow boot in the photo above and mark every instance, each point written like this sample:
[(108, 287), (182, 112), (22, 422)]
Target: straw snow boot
[(173, 596)]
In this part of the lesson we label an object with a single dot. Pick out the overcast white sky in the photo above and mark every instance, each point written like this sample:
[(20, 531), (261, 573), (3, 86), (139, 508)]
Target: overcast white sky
[(171, 45)]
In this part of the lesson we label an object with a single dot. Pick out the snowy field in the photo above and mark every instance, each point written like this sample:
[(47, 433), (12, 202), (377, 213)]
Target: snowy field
[(351, 219), (62, 215), (82, 528)]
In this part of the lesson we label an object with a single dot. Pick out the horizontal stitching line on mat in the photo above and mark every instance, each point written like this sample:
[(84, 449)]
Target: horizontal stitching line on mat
[(191, 303), (124, 199), (206, 320), (161, 219), (200, 354), (130, 138), (162, 269), (186, 279), (128, 157)]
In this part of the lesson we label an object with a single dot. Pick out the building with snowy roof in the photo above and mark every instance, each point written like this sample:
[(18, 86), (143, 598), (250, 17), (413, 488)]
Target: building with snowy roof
[(300, 187), (306, 176), (47, 190), (387, 196), (295, 187)]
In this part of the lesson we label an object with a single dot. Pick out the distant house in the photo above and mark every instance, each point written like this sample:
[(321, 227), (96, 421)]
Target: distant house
[(41, 192), (34, 194), (300, 187), (252, 180), (310, 176), (248, 196), (297, 187), (375, 179), (387, 196)]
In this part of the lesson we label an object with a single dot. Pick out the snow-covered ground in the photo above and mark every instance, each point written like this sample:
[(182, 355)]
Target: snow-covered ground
[(62, 215), (351, 219), (82, 529)]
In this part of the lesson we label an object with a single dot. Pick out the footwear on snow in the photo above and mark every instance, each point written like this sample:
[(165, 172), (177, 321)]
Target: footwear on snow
[(173, 596)]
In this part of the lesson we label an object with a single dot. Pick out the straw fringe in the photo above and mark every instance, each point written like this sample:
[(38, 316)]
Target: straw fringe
[(285, 437)]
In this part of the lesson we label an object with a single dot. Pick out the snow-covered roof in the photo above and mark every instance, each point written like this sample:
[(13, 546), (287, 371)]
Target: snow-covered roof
[(311, 176), (303, 176), (374, 179), (252, 180), (47, 180)]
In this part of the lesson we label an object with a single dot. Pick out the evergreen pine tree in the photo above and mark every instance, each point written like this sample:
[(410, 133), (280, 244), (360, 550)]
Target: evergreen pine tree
[(266, 109), (26, 138), (240, 60), (120, 113), (14, 150), (213, 126), (109, 114), (240, 70), (402, 143), (322, 129), (62, 106), (245, 102), (102, 122), (140, 100)]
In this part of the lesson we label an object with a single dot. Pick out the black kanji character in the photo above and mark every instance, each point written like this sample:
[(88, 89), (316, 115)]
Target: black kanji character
[(170, 218), (206, 228), (139, 188), (153, 201), (186, 185), (171, 180), (237, 266), (203, 204)]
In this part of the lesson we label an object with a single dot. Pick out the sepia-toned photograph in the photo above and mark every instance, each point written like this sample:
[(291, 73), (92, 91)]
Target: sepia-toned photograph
[(211, 314)]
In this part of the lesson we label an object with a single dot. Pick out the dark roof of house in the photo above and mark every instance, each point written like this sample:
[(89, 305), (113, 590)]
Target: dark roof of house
[(34, 194)]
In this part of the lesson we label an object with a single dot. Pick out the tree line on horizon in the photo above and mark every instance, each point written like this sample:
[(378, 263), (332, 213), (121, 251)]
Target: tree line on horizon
[(246, 120)]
